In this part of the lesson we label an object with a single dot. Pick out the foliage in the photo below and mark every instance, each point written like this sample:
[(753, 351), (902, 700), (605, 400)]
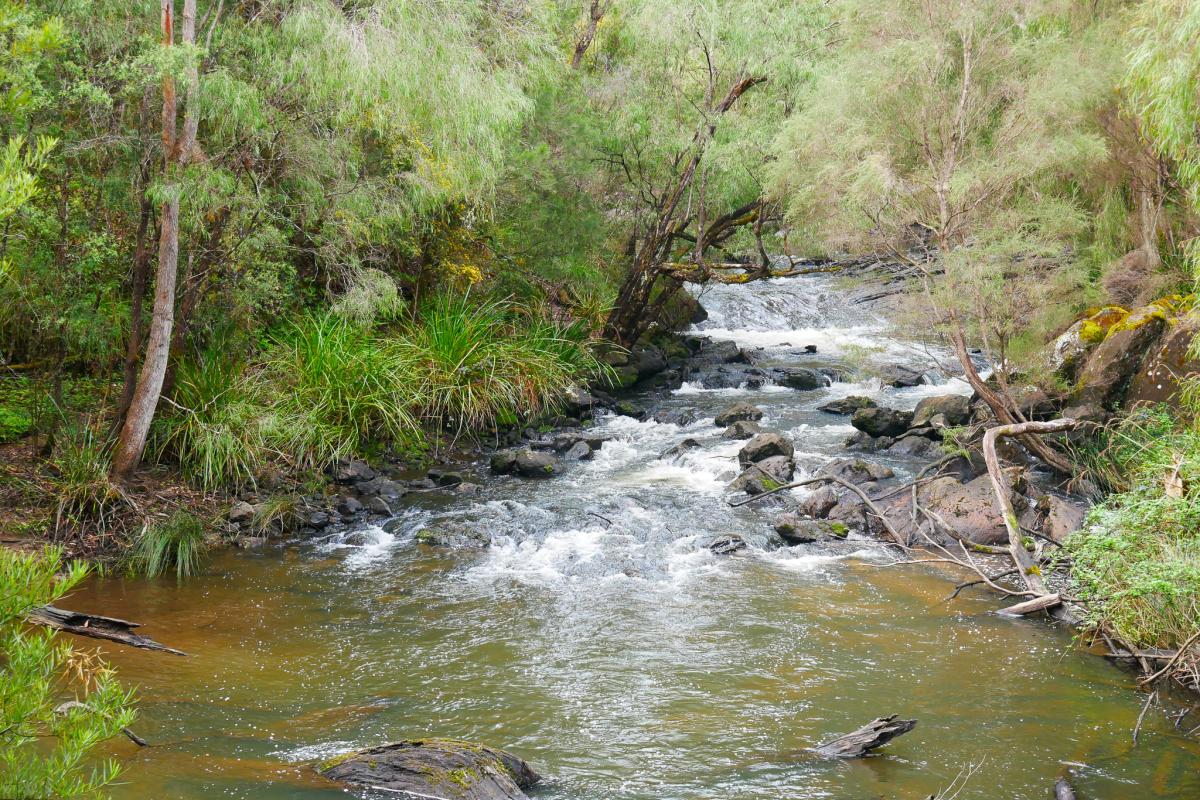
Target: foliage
[(177, 542), (44, 745), (1137, 559), (85, 493)]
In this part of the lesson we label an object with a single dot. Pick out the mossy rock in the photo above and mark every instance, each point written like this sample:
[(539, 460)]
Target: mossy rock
[(1100, 322), (444, 768)]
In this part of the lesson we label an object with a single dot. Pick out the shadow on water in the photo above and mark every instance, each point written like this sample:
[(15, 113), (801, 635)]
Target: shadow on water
[(601, 641)]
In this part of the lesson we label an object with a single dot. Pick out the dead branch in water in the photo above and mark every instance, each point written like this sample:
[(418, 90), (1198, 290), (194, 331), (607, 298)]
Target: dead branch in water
[(96, 627), (875, 733)]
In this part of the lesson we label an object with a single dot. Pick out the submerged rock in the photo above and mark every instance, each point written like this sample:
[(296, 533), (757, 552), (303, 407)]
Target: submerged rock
[(847, 405), (679, 449), (737, 413), (682, 417), (724, 545), (437, 768), (881, 421), (458, 538), (742, 429), (763, 446)]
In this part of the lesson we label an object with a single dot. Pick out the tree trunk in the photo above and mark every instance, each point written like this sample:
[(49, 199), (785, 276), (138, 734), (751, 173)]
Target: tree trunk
[(595, 14), (136, 429)]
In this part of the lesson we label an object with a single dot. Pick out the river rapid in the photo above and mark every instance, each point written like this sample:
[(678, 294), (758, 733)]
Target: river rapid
[(599, 639)]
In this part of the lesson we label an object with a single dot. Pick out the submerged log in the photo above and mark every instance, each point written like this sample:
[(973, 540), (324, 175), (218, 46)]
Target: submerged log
[(96, 627), (875, 733)]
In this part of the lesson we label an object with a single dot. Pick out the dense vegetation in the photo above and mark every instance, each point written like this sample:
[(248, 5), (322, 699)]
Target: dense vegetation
[(263, 235)]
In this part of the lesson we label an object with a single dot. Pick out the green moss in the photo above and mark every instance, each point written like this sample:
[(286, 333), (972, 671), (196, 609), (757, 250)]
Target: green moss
[(1092, 332), (838, 529), (1137, 320), (330, 763)]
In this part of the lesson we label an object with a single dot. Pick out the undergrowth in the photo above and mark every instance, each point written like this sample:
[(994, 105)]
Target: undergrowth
[(177, 542)]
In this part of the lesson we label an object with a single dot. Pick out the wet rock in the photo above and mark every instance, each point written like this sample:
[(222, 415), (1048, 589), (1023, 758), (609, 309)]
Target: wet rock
[(377, 505), (742, 429), (241, 511), (737, 413), (1111, 366), (579, 403), (352, 471), (679, 449), (819, 503), (628, 408), (348, 506), (503, 462), (720, 351), (579, 452), (441, 768), (800, 378), (468, 488), (944, 411), (914, 446), (456, 537), (318, 520), (899, 376), (724, 545), (764, 476), (881, 421), (847, 405), (681, 417), (1158, 379), (383, 487), (534, 464), (723, 378), (763, 446), (969, 508), (647, 359), (856, 470), (445, 478), (1063, 517), (796, 529), (868, 443)]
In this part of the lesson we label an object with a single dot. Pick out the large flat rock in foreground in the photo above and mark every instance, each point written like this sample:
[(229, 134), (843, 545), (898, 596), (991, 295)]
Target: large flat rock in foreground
[(446, 769)]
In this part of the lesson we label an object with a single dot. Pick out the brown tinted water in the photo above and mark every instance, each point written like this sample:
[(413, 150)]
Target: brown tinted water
[(599, 638)]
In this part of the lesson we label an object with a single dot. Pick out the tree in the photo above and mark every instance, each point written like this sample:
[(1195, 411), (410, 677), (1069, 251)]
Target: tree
[(36, 673)]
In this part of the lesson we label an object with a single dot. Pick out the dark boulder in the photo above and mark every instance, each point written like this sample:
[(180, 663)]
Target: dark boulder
[(352, 471), (737, 413), (578, 403), (628, 408), (881, 421), (724, 545), (763, 446), (847, 405), (914, 446), (866, 443), (441, 768), (742, 429), (579, 452), (1169, 362), (386, 488), (503, 462), (796, 529), (801, 378), (348, 505), (534, 464), (681, 417), (1110, 368), (856, 470), (818, 504), (899, 376), (647, 359), (679, 449), (944, 411), (764, 476)]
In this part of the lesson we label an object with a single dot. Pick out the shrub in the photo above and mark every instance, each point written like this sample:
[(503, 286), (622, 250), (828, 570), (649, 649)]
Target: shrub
[(177, 542), (43, 750)]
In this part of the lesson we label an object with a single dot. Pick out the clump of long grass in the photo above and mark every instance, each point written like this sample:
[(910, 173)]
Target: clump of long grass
[(1137, 558), (86, 495), (177, 542)]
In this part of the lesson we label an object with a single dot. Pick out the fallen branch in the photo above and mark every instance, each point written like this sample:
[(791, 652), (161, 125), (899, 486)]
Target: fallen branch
[(1145, 707), (96, 627), (875, 733), (1174, 660), (1030, 606)]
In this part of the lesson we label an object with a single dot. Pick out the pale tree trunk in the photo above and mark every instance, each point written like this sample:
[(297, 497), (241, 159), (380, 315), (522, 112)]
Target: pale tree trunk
[(146, 395)]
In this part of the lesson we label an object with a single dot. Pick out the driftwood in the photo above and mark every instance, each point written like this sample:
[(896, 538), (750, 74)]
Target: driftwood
[(96, 627), (1036, 604), (875, 733)]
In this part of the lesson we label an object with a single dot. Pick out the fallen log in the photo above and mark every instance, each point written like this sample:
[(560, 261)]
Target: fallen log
[(1036, 604), (96, 627), (875, 733)]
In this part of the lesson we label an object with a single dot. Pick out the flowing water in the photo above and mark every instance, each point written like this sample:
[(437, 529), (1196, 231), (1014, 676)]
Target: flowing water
[(600, 640)]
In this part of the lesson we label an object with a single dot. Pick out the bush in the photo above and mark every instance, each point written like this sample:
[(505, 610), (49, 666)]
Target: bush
[(43, 750), (178, 542)]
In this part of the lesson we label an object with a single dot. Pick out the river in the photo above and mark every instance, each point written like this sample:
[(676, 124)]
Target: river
[(602, 642)]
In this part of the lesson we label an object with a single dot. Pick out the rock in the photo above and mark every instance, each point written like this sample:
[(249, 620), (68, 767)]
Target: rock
[(868, 443), (352, 471), (720, 351), (579, 403), (768, 474), (738, 412), (318, 520), (810, 348), (800, 378), (579, 452), (679, 449), (241, 511), (847, 405), (763, 446), (622, 377), (682, 417), (383, 487), (468, 488), (724, 545), (796, 529), (819, 503), (1111, 366), (1158, 379), (856, 470), (742, 429), (944, 411), (348, 506), (1063, 517), (900, 376), (1068, 351), (503, 462), (881, 421), (458, 538), (914, 446), (647, 359), (377, 505), (441, 768), (969, 508), (445, 478), (724, 378), (628, 408), (534, 464)]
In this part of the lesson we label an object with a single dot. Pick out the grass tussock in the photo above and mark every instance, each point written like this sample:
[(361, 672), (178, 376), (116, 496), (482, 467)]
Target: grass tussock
[(1137, 560), (177, 543)]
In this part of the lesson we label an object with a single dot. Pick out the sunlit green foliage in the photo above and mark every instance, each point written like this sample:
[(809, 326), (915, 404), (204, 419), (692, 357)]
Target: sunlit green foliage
[(56, 705)]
